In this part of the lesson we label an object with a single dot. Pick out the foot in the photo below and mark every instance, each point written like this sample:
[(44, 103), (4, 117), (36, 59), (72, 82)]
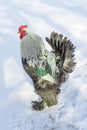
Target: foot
[(37, 105)]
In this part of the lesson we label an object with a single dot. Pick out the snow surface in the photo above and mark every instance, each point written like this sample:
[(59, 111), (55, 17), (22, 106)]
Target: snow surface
[(16, 88)]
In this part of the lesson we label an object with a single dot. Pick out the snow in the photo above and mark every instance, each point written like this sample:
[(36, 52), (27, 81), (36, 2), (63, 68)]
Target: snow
[(16, 88)]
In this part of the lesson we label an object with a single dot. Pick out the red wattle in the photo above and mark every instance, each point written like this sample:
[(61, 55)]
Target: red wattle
[(22, 34)]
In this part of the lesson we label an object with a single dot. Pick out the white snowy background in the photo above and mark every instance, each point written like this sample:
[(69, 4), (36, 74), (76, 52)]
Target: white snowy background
[(68, 17)]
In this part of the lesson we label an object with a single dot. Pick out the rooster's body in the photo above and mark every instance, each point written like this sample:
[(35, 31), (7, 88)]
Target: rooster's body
[(48, 70)]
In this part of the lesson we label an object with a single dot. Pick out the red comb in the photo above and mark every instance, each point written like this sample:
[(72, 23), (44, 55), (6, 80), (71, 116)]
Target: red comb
[(22, 26)]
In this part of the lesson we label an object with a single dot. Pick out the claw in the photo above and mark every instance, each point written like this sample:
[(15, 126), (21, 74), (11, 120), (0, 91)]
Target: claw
[(37, 105)]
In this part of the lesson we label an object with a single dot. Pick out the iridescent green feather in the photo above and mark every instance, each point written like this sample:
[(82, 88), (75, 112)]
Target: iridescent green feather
[(41, 71)]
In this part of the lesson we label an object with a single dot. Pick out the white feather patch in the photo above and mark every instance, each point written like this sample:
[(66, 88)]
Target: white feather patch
[(49, 78)]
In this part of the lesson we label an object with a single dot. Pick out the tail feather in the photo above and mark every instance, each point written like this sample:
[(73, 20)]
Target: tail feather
[(63, 48)]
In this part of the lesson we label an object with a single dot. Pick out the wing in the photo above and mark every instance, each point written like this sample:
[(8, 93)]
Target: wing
[(64, 55), (28, 70)]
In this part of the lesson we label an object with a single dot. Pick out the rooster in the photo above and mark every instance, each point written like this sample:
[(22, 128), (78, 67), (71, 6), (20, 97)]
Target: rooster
[(48, 69)]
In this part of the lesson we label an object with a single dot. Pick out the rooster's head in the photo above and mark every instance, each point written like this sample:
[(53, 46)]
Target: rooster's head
[(22, 31)]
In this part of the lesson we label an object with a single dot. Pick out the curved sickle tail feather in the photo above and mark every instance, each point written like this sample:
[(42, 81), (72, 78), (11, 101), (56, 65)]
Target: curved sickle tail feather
[(63, 49)]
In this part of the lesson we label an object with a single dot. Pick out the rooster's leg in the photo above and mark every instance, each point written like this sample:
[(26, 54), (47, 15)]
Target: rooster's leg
[(49, 98)]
